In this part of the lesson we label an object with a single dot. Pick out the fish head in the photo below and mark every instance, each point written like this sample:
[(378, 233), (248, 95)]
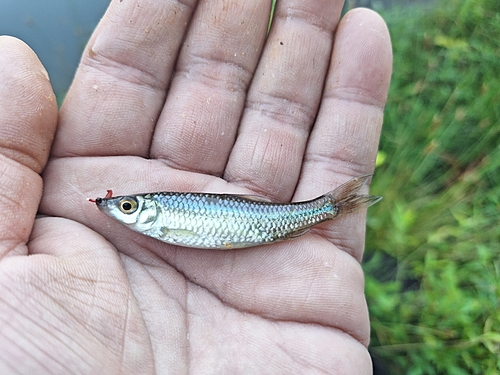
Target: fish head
[(137, 212)]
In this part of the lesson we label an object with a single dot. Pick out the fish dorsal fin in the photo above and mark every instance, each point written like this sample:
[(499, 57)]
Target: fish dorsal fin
[(255, 198)]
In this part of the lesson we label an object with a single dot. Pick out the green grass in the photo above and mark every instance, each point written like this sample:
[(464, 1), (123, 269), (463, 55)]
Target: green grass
[(433, 245)]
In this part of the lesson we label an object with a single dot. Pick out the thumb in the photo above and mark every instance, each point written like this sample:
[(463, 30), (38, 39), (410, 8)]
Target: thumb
[(28, 119)]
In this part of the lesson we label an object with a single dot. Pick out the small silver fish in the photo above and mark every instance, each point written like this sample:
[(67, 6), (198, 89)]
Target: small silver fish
[(224, 221)]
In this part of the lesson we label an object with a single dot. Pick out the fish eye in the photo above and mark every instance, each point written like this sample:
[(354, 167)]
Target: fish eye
[(128, 205)]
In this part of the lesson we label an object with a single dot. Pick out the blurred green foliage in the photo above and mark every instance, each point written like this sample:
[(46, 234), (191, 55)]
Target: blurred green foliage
[(433, 246)]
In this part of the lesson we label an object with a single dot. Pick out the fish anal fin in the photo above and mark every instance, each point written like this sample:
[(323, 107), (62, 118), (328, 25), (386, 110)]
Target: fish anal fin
[(299, 233)]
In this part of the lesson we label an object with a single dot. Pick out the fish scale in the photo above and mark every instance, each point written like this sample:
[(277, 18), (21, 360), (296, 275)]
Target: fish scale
[(225, 221), (208, 220)]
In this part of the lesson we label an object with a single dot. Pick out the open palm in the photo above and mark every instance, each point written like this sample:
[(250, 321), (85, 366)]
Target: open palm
[(171, 96)]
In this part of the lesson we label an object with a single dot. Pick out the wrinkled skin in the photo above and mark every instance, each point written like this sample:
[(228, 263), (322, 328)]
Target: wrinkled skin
[(182, 96)]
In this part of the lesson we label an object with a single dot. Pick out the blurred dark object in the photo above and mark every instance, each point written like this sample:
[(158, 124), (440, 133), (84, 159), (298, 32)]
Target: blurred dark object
[(57, 30)]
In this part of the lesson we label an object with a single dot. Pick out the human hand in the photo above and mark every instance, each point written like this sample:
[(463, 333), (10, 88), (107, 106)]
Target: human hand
[(80, 293)]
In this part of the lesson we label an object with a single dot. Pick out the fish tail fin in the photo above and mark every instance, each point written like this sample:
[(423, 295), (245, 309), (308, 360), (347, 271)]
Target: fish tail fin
[(345, 198)]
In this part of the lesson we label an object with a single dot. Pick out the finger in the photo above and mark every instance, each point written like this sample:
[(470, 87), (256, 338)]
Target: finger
[(284, 97), (198, 124), (28, 117), (119, 88), (345, 138)]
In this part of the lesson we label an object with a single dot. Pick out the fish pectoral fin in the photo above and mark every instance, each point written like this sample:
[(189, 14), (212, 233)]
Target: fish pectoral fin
[(186, 233), (299, 233)]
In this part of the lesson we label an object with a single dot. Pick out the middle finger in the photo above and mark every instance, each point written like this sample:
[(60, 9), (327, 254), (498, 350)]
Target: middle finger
[(197, 127)]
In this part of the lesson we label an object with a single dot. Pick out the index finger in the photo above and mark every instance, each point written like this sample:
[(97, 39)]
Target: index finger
[(119, 89), (28, 117)]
